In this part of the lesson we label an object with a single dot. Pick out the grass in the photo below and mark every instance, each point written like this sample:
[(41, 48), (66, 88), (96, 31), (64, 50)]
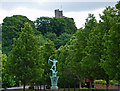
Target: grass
[(85, 89), (67, 89), (71, 89)]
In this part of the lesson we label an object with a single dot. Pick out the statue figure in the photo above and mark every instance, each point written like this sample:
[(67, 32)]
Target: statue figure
[(53, 78), (53, 68)]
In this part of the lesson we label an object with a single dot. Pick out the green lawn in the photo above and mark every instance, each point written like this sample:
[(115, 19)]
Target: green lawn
[(66, 89), (71, 89)]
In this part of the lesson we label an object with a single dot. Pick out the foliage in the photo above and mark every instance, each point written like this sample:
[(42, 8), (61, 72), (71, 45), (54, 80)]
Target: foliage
[(117, 5), (103, 82), (7, 80), (11, 28), (110, 57), (0, 68), (58, 40), (64, 70), (58, 30), (0, 33), (77, 50), (25, 56), (45, 52), (55, 25)]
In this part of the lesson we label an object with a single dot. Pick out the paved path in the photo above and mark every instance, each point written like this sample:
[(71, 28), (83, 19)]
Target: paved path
[(36, 87), (15, 88)]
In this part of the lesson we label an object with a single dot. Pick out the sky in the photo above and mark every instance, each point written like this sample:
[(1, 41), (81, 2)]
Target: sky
[(33, 9)]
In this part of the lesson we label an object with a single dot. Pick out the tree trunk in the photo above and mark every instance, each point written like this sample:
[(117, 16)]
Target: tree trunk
[(74, 88), (44, 87), (107, 82), (90, 84), (24, 86), (40, 86), (80, 86), (64, 87), (69, 88), (79, 78)]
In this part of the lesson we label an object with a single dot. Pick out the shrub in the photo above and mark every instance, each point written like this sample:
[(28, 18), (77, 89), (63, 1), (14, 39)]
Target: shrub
[(103, 82), (113, 82)]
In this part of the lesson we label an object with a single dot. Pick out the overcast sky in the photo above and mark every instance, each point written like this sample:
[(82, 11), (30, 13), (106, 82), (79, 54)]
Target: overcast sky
[(77, 9)]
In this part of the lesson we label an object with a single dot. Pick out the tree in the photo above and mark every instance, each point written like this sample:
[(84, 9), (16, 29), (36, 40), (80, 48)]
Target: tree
[(76, 53), (11, 28), (64, 70), (58, 30), (63, 25), (0, 69), (25, 57), (46, 51), (110, 59), (62, 39), (55, 25), (42, 24), (77, 50), (96, 50), (0, 34), (93, 50), (7, 80)]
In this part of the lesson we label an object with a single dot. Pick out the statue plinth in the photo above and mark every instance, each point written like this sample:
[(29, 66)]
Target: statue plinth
[(54, 80)]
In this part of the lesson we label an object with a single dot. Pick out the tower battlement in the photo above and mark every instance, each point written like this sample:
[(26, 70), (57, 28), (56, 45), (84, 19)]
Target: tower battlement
[(58, 13)]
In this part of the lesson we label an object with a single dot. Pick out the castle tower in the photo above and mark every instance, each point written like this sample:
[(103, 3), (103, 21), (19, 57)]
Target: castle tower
[(58, 13)]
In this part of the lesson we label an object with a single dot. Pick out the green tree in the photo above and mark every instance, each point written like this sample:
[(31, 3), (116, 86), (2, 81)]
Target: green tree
[(0, 68), (25, 57), (11, 28), (0, 34), (63, 25), (55, 25), (42, 24), (7, 80), (94, 50), (109, 57), (62, 39), (58, 40), (58, 30), (64, 70), (95, 45), (46, 51), (77, 50)]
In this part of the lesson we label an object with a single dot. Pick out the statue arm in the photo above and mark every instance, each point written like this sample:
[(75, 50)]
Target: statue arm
[(50, 57), (49, 60)]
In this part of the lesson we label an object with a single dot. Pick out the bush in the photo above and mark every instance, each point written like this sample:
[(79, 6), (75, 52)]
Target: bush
[(103, 82), (113, 82)]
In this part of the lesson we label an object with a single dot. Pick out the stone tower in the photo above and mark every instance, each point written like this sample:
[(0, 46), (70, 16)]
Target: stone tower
[(58, 13)]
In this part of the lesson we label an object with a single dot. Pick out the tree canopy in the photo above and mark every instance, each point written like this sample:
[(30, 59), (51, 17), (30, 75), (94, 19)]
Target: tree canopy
[(55, 25), (25, 55), (11, 28)]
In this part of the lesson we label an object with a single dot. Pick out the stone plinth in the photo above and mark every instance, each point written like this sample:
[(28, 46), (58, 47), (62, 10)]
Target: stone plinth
[(54, 80)]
